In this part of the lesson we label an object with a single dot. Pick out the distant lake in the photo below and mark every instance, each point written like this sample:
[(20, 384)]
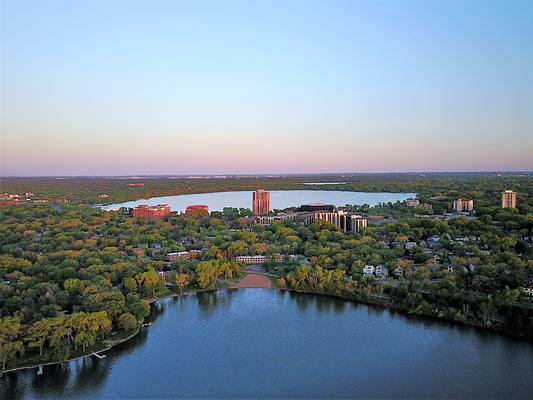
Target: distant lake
[(260, 343), (323, 183), (279, 199)]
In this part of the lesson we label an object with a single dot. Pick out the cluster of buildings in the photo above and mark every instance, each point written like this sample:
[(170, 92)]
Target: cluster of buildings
[(15, 199), (307, 214), (162, 210), (380, 271)]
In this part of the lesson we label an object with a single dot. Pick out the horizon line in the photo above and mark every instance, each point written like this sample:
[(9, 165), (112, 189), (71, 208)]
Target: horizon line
[(270, 175)]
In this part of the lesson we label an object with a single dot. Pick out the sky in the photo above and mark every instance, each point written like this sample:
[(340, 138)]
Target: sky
[(92, 87)]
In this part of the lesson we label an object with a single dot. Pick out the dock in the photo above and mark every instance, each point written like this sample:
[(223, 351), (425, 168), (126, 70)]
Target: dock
[(98, 355)]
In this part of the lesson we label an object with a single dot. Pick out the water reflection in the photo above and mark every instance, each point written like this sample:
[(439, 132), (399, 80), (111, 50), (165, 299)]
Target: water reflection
[(260, 339)]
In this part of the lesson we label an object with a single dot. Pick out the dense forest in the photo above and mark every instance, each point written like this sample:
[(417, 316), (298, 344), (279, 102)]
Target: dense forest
[(75, 278), (87, 190)]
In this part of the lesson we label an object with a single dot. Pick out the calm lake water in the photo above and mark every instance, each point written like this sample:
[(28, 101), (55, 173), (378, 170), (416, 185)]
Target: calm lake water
[(260, 343), (279, 199)]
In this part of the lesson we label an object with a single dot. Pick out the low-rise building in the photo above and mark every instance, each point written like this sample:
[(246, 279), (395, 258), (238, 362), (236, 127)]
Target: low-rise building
[(369, 270), (410, 245), (146, 211), (260, 259), (138, 252), (382, 271), (184, 255), (412, 202)]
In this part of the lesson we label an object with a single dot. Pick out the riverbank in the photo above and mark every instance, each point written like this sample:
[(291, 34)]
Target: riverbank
[(258, 280), (255, 280), (385, 304)]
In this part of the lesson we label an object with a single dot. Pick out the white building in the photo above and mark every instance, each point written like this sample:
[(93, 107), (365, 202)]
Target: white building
[(382, 271), (369, 270), (460, 205)]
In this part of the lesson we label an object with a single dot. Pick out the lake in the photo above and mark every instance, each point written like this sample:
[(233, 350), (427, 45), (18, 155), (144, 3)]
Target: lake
[(260, 343), (279, 199)]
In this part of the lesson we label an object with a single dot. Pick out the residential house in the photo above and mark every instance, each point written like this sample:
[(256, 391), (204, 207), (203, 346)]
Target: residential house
[(369, 270), (382, 271)]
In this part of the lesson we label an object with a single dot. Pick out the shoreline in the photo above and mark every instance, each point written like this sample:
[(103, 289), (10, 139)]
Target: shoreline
[(316, 188), (388, 307), (392, 308)]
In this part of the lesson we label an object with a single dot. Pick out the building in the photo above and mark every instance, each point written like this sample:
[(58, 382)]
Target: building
[(346, 222), (382, 271), (138, 252), (508, 199), (268, 219), (197, 209), (369, 270), (103, 196), (332, 217), (63, 200), (146, 211), (352, 222), (185, 255), (279, 258), (136, 184), (260, 202), (317, 207), (412, 202), (461, 205)]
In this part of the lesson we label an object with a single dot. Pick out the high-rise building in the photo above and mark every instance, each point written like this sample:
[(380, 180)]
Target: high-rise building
[(461, 205), (260, 202), (508, 199)]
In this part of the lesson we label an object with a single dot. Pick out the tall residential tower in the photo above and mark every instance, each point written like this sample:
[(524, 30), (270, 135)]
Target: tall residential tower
[(508, 199), (261, 202)]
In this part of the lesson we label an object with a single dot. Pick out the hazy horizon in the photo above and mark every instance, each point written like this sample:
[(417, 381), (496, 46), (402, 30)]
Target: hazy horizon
[(286, 174), (303, 87)]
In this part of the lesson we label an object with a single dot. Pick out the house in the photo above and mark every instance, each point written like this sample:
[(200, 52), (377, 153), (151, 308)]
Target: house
[(382, 271), (398, 272), (103, 196), (369, 270), (456, 268), (138, 252), (410, 245), (433, 241), (529, 291)]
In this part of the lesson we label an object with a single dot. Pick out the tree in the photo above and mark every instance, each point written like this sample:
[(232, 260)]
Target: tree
[(10, 345), (38, 334), (181, 280), (127, 322)]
